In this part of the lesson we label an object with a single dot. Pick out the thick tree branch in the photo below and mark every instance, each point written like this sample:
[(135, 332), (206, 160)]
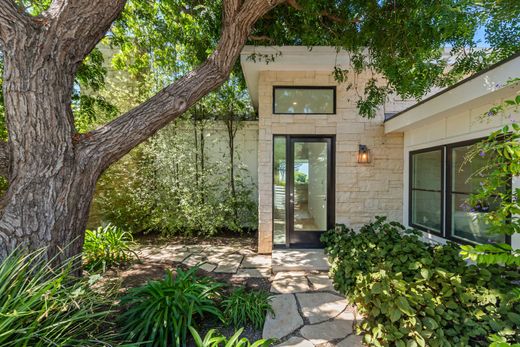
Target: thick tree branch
[(4, 159), (231, 8), (85, 22), (12, 19), (110, 142)]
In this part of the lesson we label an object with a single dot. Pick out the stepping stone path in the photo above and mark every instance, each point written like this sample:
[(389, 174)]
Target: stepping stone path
[(308, 311), (218, 259), (322, 317)]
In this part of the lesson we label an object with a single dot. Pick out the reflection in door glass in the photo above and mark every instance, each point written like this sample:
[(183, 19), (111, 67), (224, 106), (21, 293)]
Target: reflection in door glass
[(280, 175), (310, 186)]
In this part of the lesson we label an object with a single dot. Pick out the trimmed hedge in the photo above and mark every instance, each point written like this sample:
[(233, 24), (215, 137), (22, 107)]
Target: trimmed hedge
[(416, 294)]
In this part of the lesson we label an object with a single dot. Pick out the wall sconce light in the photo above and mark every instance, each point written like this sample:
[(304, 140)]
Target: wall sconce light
[(363, 156)]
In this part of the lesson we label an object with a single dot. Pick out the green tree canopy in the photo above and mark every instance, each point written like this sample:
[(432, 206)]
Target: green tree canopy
[(400, 41)]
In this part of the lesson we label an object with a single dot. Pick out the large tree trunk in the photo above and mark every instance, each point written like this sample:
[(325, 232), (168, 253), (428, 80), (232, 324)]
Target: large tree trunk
[(53, 169), (50, 183)]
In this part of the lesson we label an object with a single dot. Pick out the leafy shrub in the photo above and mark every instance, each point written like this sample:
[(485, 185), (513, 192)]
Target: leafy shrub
[(160, 312), (416, 294), (215, 340), (500, 152), (242, 307), (107, 246), (172, 183), (40, 306)]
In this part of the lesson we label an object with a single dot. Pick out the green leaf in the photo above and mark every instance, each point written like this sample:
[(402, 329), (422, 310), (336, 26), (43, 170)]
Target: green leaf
[(425, 273), (514, 317), (395, 315), (430, 323), (404, 306), (377, 288)]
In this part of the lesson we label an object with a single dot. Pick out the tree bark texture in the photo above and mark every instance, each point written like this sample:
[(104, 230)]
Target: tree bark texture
[(52, 169)]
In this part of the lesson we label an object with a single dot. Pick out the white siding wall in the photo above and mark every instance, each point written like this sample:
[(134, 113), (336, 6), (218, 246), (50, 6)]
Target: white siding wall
[(451, 127)]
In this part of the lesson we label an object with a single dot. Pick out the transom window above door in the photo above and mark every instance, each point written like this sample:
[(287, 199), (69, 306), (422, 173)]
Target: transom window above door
[(304, 100)]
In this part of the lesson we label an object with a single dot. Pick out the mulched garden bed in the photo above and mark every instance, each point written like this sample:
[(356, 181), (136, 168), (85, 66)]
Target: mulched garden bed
[(145, 269)]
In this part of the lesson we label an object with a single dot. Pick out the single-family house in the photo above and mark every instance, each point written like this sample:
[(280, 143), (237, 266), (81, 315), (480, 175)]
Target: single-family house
[(321, 163)]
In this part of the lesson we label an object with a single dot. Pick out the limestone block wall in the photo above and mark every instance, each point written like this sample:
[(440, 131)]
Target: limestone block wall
[(362, 190)]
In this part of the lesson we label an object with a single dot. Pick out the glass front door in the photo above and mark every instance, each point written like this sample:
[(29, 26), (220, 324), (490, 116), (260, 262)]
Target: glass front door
[(303, 190)]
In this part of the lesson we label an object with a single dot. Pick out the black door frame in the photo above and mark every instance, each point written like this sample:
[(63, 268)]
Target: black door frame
[(306, 239)]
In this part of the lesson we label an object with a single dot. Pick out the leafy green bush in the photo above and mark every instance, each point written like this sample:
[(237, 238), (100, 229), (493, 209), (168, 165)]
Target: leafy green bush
[(107, 246), (500, 153), (242, 307), (160, 312), (215, 340), (171, 184), (416, 294), (43, 306)]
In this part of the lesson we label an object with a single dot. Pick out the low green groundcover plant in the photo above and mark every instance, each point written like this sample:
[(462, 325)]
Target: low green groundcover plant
[(44, 306), (160, 312), (213, 339), (106, 247), (243, 307), (416, 294)]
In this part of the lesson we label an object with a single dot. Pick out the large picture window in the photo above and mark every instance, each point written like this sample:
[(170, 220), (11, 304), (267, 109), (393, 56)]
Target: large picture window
[(441, 181), (304, 100), (466, 222)]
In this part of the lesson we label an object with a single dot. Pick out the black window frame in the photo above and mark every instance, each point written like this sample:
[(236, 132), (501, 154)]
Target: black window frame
[(446, 191), (449, 234), (333, 88), (331, 190), (442, 191)]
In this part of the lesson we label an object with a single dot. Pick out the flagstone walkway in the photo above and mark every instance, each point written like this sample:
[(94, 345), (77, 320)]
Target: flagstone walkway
[(308, 311)]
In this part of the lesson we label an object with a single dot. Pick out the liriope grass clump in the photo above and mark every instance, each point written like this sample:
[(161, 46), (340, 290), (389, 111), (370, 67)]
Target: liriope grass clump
[(106, 247), (243, 307), (214, 339), (159, 313), (45, 306)]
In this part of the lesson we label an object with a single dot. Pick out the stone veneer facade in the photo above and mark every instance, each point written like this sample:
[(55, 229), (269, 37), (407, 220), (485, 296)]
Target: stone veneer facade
[(362, 190)]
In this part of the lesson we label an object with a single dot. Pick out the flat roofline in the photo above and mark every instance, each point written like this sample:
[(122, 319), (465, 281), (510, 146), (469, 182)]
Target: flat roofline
[(461, 82)]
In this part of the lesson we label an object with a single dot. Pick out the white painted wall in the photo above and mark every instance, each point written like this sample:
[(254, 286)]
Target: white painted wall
[(246, 148)]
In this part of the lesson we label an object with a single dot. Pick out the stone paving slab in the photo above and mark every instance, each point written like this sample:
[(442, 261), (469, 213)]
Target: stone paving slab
[(337, 328), (286, 318), (196, 248), (175, 248), (257, 273), (208, 267), (290, 284), (256, 261), (292, 259), (321, 282), (194, 259), (319, 307), (351, 341), (229, 264), (174, 256), (296, 341)]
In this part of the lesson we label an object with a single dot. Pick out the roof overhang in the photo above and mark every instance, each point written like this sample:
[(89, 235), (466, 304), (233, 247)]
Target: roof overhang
[(287, 58), (480, 89)]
